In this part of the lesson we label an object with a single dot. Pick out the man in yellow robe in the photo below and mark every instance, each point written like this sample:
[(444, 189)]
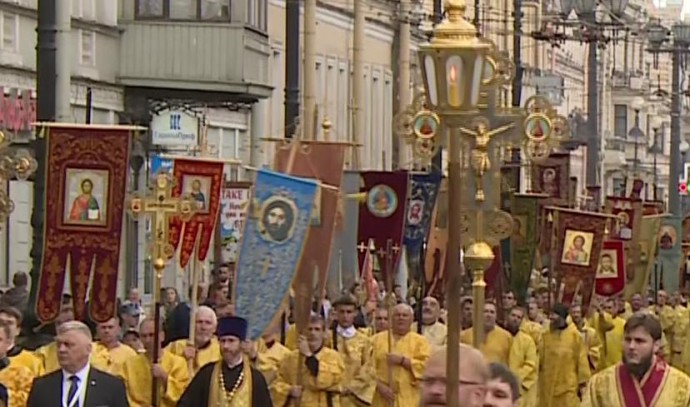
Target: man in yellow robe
[(642, 379), (354, 347), (433, 330), (310, 376), (613, 345), (16, 379), (398, 360), (563, 365), (533, 329), (523, 360), (18, 356), (108, 334), (680, 334), (666, 315), (267, 354), (138, 371), (590, 337), (497, 341), (205, 348)]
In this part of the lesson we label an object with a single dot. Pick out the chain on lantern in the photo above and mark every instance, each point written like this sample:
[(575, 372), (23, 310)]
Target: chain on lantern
[(14, 164)]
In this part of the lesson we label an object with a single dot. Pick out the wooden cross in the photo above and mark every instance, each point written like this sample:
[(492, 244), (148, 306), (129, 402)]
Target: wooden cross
[(160, 206)]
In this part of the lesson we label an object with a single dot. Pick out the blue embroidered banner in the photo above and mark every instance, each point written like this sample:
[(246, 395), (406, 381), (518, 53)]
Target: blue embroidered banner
[(670, 240), (423, 192), (277, 224)]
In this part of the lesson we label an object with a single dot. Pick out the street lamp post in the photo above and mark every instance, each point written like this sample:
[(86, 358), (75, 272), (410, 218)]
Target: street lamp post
[(452, 68), (681, 40), (657, 127), (636, 134)]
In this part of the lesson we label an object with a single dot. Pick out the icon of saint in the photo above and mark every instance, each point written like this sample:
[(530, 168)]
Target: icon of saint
[(197, 195), (576, 253), (606, 266), (537, 130), (85, 207), (427, 128), (381, 201), (549, 185)]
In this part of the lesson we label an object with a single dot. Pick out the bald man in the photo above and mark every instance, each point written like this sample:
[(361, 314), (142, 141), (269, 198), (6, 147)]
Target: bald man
[(205, 348), (404, 356), (433, 330), (474, 376)]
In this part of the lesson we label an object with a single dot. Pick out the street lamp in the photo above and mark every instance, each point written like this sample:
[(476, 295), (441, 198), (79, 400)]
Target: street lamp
[(657, 126), (636, 134), (452, 71)]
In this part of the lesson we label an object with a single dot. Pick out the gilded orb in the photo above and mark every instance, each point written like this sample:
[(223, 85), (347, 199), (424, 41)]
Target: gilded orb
[(479, 256), (159, 264)]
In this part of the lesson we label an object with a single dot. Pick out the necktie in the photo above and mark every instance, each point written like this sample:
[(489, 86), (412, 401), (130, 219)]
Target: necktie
[(72, 393)]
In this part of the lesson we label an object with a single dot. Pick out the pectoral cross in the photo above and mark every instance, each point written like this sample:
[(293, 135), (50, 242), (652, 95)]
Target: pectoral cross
[(266, 266), (160, 206)]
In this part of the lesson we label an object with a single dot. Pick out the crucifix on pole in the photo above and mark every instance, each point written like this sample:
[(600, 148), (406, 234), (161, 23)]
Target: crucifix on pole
[(160, 206)]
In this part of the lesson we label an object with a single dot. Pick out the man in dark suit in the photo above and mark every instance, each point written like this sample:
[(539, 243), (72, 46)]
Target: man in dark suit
[(77, 383)]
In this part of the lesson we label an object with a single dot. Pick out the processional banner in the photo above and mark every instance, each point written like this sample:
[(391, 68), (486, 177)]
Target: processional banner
[(437, 245), (610, 278), (86, 182), (276, 228), (578, 244), (382, 216), (652, 208), (420, 207), (202, 181), (233, 209), (670, 251), (525, 210), (551, 178), (642, 270), (322, 161), (343, 269)]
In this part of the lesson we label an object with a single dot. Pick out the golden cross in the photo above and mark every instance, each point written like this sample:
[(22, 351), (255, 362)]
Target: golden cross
[(267, 266), (160, 206), (362, 247)]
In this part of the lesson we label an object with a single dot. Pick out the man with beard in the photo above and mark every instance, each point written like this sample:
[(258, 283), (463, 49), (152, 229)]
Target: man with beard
[(434, 331), (474, 376), (466, 315), (642, 379), (523, 360), (497, 341), (564, 368)]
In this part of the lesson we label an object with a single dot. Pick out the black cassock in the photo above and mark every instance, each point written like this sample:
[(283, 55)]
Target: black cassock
[(197, 393)]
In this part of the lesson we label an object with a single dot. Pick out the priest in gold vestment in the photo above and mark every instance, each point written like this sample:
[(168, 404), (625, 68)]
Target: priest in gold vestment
[(432, 329), (16, 354), (642, 379), (398, 358), (137, 372), (590, 336), (267, 353), (108, 334), (354, 347), (563, 365), (523, 360), (16, 379), (497, 342), (229, 382), (310, 376), (205, 348)]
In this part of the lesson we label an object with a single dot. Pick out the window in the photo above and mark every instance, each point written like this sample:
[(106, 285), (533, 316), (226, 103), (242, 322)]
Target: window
[(620, 121), (343, 101), (184, 9), (215, 9), (10, 28), (256, 14), (618, 186), (87, 47), (84, 9), (149, 9)]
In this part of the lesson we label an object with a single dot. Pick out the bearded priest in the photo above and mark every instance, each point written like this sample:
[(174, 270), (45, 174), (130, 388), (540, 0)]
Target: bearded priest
[(641, 379), (230, 381)]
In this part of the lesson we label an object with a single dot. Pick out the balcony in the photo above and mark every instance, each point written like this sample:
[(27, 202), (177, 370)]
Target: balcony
[(614, 155), (195, 56)]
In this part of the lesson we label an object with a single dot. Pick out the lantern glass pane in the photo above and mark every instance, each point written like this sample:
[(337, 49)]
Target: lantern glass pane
[(431, 84), (454, 85), (479, 63)]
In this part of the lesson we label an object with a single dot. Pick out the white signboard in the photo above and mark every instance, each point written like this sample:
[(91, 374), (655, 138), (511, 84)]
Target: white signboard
[(234, 202), (174, 128)]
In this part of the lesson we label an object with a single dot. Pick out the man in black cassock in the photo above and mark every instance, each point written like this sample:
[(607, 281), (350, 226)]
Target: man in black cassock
[(230, 381)]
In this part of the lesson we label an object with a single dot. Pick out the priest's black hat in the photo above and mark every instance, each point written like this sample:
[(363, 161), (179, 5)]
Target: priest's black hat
[(232, 326)]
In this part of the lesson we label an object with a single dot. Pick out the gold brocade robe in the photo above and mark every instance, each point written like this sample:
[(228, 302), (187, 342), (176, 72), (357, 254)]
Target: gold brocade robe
[(17, 379), (563, 367), (136, 373), (606, 389), (405, 383), (496, 346), (204, 356), (315, 390), (680, 331), (614, 343), (436, 334), (359, 377), (268, 360), (524, 363), (592, 342), (667, 318), (47, 356), (533, 329), (115, 357), (291, 337), (28, 360)]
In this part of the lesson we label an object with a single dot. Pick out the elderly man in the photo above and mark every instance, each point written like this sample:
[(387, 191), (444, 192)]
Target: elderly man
[(399, 361), (311, 375), (229, 381), (77, 383), (474, 376), (138, 371), (497, 342), (205, 348), (434, 331)]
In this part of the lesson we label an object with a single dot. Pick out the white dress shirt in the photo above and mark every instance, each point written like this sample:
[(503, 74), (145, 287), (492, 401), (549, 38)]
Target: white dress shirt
[(83, 376)]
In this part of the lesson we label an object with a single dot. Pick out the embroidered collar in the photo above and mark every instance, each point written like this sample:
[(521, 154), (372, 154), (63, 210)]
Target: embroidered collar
[(346, 333)]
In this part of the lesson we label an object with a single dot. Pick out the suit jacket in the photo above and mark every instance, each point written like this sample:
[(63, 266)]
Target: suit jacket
[(103, 390)]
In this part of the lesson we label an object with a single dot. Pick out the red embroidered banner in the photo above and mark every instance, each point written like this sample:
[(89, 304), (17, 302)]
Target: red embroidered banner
[(86, 181), (202, 180), (382, 216), (610, 278)]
